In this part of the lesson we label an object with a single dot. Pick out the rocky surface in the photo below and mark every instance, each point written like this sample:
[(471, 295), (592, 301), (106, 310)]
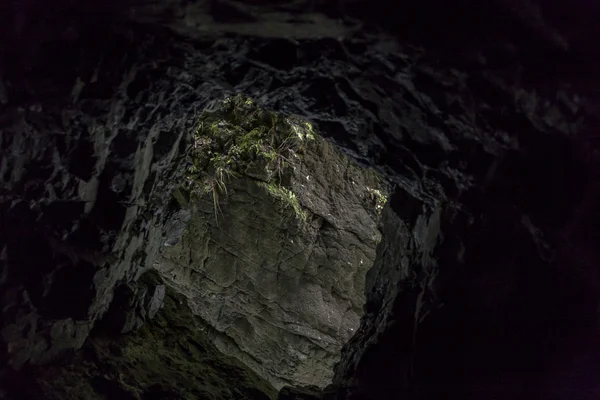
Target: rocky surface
[(133, 304), (464, 303), (276, 261), (486, 120), (87, 170), (169, 358)]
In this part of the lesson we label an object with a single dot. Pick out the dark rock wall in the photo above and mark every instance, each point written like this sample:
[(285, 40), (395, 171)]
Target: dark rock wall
[(92, 138), (509, 306), (170, 357), (486, 286)]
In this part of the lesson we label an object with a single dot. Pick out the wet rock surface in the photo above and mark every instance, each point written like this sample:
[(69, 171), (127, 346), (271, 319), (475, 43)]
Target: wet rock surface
[(487, 124)]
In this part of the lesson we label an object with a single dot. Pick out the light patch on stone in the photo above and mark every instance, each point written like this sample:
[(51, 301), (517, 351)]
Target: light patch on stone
[(277, 274)]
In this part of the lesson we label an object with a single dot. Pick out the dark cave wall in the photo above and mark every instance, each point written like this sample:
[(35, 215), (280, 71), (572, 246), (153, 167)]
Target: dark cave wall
[(169, 357), (508, 319), (92, 146), (492, 234), (515, 309), (514, 293)]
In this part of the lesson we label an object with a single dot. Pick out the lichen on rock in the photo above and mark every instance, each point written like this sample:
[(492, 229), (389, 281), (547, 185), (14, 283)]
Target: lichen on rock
[(283, 229)]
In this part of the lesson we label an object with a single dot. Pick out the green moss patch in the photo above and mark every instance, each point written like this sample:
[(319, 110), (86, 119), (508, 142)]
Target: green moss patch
[(241, 139), (378, 198), (287, 198)]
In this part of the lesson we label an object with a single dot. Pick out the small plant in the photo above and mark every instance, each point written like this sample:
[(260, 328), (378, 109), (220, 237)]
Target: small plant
[(240, 134), (216, 185), (378, 199), (288, 198)]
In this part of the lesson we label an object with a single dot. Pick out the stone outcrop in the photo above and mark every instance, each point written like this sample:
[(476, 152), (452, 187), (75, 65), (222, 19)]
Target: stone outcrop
[(86, 171), (170, 357), (275, 260), (486, 119), (133, 304)]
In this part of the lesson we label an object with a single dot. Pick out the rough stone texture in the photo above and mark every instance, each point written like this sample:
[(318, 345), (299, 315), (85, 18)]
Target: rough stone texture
[(169, 358), (132, 305), (489, 119), (88, 164), (304, 393), (283, 291), (496, 300), (486, 297)]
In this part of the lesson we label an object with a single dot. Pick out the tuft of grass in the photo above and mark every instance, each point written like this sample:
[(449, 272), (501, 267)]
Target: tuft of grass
[(378, 199), (238, 134), (287, 198)]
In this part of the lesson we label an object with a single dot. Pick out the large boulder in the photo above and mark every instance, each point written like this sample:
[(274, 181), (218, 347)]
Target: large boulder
[(283, 230), (487, 120)]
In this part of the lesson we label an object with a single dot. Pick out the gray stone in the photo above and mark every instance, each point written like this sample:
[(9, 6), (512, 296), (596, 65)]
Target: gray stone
[(133, 305), (175, 227), (155, 301), (278, 270), (481, 138)]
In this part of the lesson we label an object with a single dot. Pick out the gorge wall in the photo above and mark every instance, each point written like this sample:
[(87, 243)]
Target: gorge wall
[(275, 253), (485, 283)]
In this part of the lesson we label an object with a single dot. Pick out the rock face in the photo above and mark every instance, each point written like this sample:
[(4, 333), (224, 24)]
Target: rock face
[(485, 284), (277, 265), (170, 357), (132, 305), (456, 327), (86, 176)]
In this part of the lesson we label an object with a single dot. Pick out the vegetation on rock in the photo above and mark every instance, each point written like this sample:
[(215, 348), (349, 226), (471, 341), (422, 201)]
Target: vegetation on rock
[(287, 197), (240, 138), (379, 199), (279, 270)]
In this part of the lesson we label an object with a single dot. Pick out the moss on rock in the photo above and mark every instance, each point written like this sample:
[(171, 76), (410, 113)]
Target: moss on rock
[(287, 198), (240, 138), (280, 273)]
